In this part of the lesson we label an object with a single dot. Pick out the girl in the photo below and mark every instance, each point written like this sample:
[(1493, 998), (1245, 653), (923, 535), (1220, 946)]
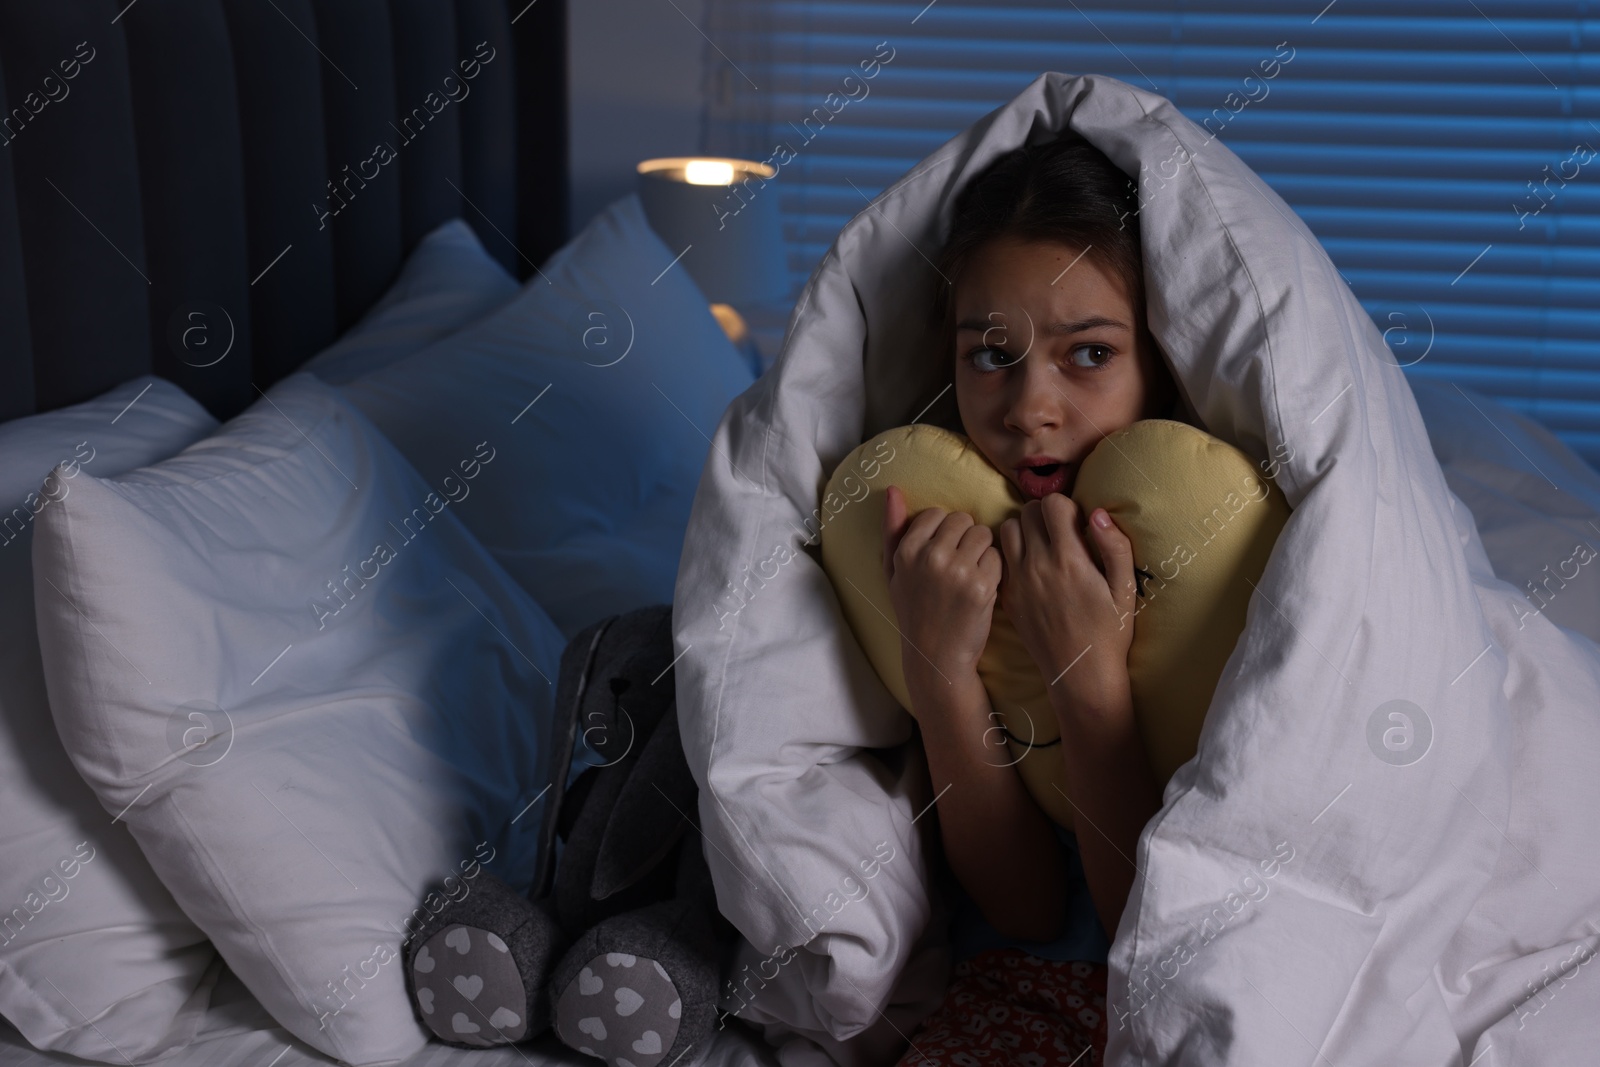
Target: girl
[(1045, 304)]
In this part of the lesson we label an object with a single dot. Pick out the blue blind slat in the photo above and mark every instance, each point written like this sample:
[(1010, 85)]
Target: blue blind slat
[(1413, 137)]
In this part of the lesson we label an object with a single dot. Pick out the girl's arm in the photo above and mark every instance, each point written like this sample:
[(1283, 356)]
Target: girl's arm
[(996, 838), (944, 577), (1109, 783), (1077, 623)]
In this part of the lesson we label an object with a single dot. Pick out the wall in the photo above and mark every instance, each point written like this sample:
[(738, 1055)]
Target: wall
[(635, 89)]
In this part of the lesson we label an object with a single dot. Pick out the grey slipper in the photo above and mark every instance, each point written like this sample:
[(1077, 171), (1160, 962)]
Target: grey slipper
[(478, 972), (633, 1009)]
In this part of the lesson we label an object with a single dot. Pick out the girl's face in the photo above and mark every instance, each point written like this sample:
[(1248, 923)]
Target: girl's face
[(1049, 359)]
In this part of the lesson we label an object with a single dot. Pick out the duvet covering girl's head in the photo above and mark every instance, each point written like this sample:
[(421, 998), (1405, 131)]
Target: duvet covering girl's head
[(1044, 312)]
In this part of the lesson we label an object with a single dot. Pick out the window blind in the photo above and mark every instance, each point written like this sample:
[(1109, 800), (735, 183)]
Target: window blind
[(1445, 152)]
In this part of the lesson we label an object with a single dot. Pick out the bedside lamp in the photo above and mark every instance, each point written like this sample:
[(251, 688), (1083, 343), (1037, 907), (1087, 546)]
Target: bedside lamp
[(722, 215)]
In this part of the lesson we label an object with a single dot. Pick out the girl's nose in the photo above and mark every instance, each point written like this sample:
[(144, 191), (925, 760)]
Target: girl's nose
[(1036, 402)]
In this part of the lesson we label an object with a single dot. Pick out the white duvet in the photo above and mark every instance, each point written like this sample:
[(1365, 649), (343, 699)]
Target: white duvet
[(1387, 848)]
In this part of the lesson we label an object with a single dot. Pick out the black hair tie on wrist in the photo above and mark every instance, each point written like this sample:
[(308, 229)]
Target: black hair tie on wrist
[(1027, 744)]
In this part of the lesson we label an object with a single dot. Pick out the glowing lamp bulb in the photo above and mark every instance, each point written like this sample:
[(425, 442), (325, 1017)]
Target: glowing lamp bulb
[(708, 172)]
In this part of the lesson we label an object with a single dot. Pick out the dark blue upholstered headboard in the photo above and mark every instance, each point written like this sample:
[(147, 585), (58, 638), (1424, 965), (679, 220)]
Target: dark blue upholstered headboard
[(165, 157)]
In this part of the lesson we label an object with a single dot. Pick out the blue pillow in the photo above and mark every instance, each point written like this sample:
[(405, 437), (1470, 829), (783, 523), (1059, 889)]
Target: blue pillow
[(447, 282), (571, 425)]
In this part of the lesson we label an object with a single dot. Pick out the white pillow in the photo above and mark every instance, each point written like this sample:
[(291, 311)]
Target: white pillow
[(1466, 425), (373, 694), (599, 385), (447, 282), (1534, 500), (96, 958)]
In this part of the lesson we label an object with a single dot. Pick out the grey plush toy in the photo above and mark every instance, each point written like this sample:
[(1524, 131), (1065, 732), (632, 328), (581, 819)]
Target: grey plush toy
[(623, 957)]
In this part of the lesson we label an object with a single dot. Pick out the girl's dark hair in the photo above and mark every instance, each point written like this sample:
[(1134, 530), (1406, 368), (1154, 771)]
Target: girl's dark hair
[(1063, 190)]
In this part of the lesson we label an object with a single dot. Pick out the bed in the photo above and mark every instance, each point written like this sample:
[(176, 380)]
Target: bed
[(191, 189), (214, 192), (239, 1033)]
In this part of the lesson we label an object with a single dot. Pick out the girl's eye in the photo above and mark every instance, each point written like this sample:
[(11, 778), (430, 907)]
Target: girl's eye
[(987, 358), (1094, 357)]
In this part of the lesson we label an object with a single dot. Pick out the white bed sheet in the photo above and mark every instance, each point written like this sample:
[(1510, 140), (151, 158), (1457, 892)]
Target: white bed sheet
[(238, 1032)]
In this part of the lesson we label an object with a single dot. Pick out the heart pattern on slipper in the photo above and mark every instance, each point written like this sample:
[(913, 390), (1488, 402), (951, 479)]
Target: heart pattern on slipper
[(619, 1012), (465, 977)]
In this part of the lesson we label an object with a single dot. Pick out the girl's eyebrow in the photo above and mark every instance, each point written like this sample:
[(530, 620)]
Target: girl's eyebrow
[(1075, 326), (1089, 323)]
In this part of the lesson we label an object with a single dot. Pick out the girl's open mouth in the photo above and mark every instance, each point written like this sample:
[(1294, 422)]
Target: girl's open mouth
[(1039, 481)]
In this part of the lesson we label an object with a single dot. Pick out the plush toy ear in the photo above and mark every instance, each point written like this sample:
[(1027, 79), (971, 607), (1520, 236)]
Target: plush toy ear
[(628, 689), (615, 683), (573, 891), (657, 804), (572, 803), (572, 692)]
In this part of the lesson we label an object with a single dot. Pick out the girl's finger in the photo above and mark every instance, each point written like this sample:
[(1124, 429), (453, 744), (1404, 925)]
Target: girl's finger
[(915, 533), (974, 541), (894, 526), (946, 537), (1011, 541), (991, 568), (1060, 514), (924, 525), (1116, 551), (1034, 532)]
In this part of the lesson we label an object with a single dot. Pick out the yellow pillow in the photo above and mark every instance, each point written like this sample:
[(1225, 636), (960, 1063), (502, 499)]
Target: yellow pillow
[(1202, 521)]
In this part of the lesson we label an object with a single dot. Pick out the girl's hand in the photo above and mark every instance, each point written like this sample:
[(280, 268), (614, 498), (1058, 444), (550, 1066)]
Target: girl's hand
[(944, 578), (1067, 613)]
